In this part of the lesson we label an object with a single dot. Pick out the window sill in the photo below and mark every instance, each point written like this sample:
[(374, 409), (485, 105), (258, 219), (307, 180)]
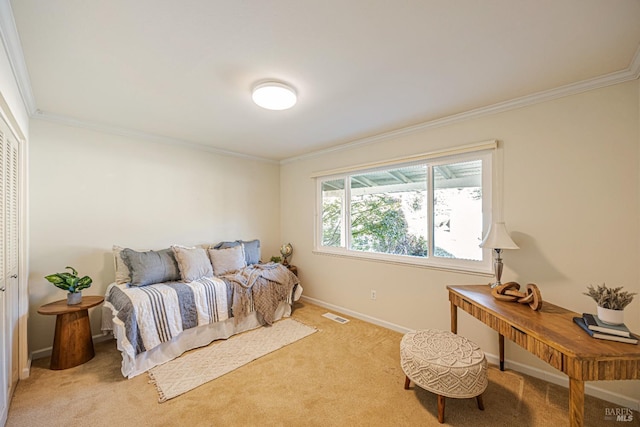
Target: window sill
[(373, 257)]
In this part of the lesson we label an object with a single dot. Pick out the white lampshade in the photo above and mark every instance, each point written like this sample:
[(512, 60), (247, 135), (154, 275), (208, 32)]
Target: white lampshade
[(498, 238), (274, 96)]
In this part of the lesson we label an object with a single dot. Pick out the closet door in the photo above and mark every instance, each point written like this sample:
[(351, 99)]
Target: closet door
[(5, 340), (9, 249), (11, 255)]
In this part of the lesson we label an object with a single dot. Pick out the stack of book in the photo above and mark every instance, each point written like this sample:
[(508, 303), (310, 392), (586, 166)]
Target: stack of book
[(598, 329)]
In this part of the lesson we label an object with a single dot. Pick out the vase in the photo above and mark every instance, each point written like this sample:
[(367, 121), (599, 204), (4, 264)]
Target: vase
[(611, 317), (74, 298)]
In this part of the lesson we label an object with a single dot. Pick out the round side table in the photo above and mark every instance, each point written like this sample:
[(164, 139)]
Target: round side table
[(72, 343)]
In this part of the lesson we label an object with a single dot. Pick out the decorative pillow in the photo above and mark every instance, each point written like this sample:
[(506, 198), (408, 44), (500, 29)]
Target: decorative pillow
[(251, 249), (123, 276), (192, 262), (227, 260), (151, 267), (225, 245)]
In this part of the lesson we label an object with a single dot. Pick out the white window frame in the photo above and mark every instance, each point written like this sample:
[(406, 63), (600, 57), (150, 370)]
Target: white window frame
[(485, 151)]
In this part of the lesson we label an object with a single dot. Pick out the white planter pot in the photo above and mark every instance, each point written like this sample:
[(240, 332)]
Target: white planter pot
[(74, 298), (611, 317)]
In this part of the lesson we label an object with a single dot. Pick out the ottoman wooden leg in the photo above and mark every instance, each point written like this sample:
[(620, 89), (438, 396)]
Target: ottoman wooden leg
[(407, 381), (480, 404), (441, 409)]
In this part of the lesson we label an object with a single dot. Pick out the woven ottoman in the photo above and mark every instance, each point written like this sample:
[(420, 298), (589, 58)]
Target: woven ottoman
[(445, 364)]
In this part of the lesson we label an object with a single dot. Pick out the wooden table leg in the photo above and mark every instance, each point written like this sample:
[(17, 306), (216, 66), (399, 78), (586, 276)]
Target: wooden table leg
[(501, 345), (441, 401), (454, 318), (72, 343), (480, 403), (576, 402)]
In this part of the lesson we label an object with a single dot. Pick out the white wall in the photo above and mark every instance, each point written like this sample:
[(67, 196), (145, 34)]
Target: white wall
[(90, 190), (571, 201)]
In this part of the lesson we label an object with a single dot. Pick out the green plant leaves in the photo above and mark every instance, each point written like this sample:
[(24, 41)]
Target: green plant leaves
[(53, 278), (69, 281), (84, 283), (611, 298)]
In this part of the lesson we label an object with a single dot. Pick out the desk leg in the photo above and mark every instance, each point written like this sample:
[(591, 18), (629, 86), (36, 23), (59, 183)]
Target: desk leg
[(501, 345), (576, 402), (454, 318)]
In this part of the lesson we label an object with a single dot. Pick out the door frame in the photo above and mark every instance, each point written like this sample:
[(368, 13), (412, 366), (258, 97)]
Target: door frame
[(24, 361)]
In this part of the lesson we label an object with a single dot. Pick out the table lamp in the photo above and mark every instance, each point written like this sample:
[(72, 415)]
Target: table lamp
[(498, 239)]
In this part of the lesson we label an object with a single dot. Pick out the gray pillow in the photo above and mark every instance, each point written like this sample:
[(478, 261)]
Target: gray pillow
[(151, 267), (251, 249), (226, 245)]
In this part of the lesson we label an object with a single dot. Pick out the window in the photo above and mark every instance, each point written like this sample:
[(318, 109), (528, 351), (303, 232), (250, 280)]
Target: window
[(429, 210)]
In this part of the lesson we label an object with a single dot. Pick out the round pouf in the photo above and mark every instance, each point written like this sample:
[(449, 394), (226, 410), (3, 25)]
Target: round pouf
[(445, 364)]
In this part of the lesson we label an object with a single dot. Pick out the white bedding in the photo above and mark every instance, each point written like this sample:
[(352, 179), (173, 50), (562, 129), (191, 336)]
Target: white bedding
[(210, 327)]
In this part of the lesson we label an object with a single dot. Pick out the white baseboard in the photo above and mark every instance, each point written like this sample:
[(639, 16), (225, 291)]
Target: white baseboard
[(358, 315), (26, 371), (561, 380), (45, 352)]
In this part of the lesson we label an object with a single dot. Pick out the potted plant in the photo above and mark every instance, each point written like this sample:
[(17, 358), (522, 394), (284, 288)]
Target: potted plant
[(611, 302), (71, 283)]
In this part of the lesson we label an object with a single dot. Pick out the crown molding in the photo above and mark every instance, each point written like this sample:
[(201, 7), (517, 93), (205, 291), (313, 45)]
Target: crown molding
[(129, 133), (13, 47), (630, 73)]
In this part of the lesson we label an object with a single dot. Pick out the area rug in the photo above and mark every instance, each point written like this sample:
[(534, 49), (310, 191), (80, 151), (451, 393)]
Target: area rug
[(203, 365)]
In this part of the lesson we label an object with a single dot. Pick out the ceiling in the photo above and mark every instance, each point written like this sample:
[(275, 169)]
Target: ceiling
[(183, 70)]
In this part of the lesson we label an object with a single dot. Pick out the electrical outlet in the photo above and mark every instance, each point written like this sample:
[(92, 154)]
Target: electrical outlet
[(373, 294)]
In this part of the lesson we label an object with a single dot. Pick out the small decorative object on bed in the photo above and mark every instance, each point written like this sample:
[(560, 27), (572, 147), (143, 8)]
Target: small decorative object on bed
[(166, 302), (71, 283), (511, 292), (611, 302)]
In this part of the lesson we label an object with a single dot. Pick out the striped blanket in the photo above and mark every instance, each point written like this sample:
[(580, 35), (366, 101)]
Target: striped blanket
[(157, 313)]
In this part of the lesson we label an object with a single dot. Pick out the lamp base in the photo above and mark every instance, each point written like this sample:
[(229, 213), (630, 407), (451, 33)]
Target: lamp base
[(497, 266)]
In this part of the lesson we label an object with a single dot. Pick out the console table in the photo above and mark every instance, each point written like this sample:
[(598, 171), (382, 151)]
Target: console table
[(72, 343), (551, 335)]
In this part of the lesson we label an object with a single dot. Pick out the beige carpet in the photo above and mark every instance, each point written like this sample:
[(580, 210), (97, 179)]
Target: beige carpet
[(200, 366), (343, 375)]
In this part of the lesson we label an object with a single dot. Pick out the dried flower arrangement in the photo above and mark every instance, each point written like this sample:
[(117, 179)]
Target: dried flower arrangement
[(611, 298)]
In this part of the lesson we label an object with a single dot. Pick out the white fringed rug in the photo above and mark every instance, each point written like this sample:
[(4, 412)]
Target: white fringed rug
[(203, 365)]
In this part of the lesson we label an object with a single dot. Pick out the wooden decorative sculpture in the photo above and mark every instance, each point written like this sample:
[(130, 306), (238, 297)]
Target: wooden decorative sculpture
[(511, 292)]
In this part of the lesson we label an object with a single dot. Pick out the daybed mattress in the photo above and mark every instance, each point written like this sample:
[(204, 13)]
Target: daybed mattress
[(167, 335)]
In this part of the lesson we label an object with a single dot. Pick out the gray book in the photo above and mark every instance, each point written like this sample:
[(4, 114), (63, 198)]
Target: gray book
[(580, 322), (595, 324)]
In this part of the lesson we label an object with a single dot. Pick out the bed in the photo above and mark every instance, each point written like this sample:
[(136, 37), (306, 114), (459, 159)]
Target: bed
[(166, 302)]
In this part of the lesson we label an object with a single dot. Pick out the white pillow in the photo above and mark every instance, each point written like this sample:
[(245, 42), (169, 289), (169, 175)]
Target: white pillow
[(123, 275), (227, 260), (192, 262)]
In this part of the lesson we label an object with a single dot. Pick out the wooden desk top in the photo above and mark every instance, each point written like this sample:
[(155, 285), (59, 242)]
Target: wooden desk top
[(552, 325), (61, 307)]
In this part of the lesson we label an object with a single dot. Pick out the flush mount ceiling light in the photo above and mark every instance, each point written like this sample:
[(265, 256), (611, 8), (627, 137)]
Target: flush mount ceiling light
[(274, 96)]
